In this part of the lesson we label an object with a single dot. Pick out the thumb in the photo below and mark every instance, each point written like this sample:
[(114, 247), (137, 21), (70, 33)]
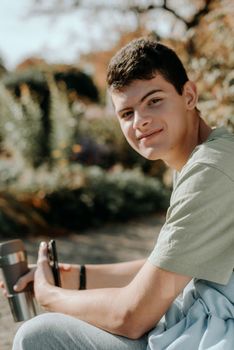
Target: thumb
[(42, 253), (43, 274)]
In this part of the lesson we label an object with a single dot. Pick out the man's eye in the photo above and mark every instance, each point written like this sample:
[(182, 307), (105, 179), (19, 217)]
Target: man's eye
[(154, 101), (127, 114)]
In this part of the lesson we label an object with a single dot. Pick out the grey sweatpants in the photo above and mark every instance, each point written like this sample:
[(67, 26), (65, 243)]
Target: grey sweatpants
[(55, 331)]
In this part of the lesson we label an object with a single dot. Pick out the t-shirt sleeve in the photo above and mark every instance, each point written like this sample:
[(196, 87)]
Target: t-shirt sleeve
[(197, 238)]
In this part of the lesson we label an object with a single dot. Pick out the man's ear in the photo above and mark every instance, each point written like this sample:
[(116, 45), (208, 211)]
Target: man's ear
[(190, 94)]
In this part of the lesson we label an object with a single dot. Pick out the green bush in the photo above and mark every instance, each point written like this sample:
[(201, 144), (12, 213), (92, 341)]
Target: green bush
[(106, 197), (20, 127), (39, 112), (9, 172), (18, 216), (76, 197)]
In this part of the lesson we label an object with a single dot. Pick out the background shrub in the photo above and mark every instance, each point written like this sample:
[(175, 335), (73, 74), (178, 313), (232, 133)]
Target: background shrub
[(84, 196), (104, 197)]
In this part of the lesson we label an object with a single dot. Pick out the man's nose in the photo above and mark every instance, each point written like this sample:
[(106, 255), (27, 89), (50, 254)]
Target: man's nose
[(141, 120)]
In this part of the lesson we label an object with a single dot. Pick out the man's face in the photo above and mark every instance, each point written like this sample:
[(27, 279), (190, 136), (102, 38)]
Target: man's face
[(153, 117)]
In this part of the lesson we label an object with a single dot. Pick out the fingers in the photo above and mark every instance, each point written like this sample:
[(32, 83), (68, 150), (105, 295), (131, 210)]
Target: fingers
[(21, 283), (64, 267), (24, 280)]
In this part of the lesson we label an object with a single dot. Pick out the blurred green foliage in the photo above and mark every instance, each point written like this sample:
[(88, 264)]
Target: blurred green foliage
[(79, 197), (39, 108), (20, 127), (106, 196)]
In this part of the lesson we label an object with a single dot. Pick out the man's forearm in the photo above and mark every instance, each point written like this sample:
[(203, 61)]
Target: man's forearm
[(103, 308), (112, 275), (100, 275)]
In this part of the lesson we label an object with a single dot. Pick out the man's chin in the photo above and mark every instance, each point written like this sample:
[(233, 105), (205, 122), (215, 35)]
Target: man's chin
[(150, 155), (153, 158)]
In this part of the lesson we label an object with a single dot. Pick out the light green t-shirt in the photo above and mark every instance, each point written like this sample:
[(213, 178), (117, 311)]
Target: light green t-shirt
[(197, 238)]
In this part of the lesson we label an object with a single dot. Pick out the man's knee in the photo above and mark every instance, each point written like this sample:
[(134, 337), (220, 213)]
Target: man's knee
[(53, 331), (38, 333)]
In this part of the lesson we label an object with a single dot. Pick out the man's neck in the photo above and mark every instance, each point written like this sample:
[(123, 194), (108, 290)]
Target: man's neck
[(203, 131), (200, 133)]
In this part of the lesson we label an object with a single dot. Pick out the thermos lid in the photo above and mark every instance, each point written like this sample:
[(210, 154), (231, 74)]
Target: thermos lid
[(11, 246)]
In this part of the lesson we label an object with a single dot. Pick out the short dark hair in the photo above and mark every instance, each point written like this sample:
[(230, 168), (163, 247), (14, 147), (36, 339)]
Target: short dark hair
[(142, 59)]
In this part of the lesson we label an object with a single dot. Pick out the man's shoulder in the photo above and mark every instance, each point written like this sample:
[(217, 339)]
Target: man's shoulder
[(210, 163), (216, 153)]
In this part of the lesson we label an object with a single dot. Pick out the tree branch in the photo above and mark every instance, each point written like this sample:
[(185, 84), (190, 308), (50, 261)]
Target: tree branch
[(137, 9)]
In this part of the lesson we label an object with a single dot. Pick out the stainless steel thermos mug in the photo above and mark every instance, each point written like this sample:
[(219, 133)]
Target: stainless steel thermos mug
[(13, 264)]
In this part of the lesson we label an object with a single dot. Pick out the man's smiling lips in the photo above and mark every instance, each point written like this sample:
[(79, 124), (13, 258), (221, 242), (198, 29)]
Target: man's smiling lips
[(148, 134)]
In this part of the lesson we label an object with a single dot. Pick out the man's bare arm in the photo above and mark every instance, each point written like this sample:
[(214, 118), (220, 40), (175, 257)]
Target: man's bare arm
[(129, 311), (112, 275)]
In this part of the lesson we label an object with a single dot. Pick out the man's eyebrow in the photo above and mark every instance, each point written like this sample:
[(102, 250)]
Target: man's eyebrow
[(151, 92)]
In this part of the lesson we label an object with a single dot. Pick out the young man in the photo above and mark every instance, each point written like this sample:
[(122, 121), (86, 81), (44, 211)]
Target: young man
[(155, 104)]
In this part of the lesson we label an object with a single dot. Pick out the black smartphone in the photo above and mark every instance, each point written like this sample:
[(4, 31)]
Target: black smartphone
[(53, 258)]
